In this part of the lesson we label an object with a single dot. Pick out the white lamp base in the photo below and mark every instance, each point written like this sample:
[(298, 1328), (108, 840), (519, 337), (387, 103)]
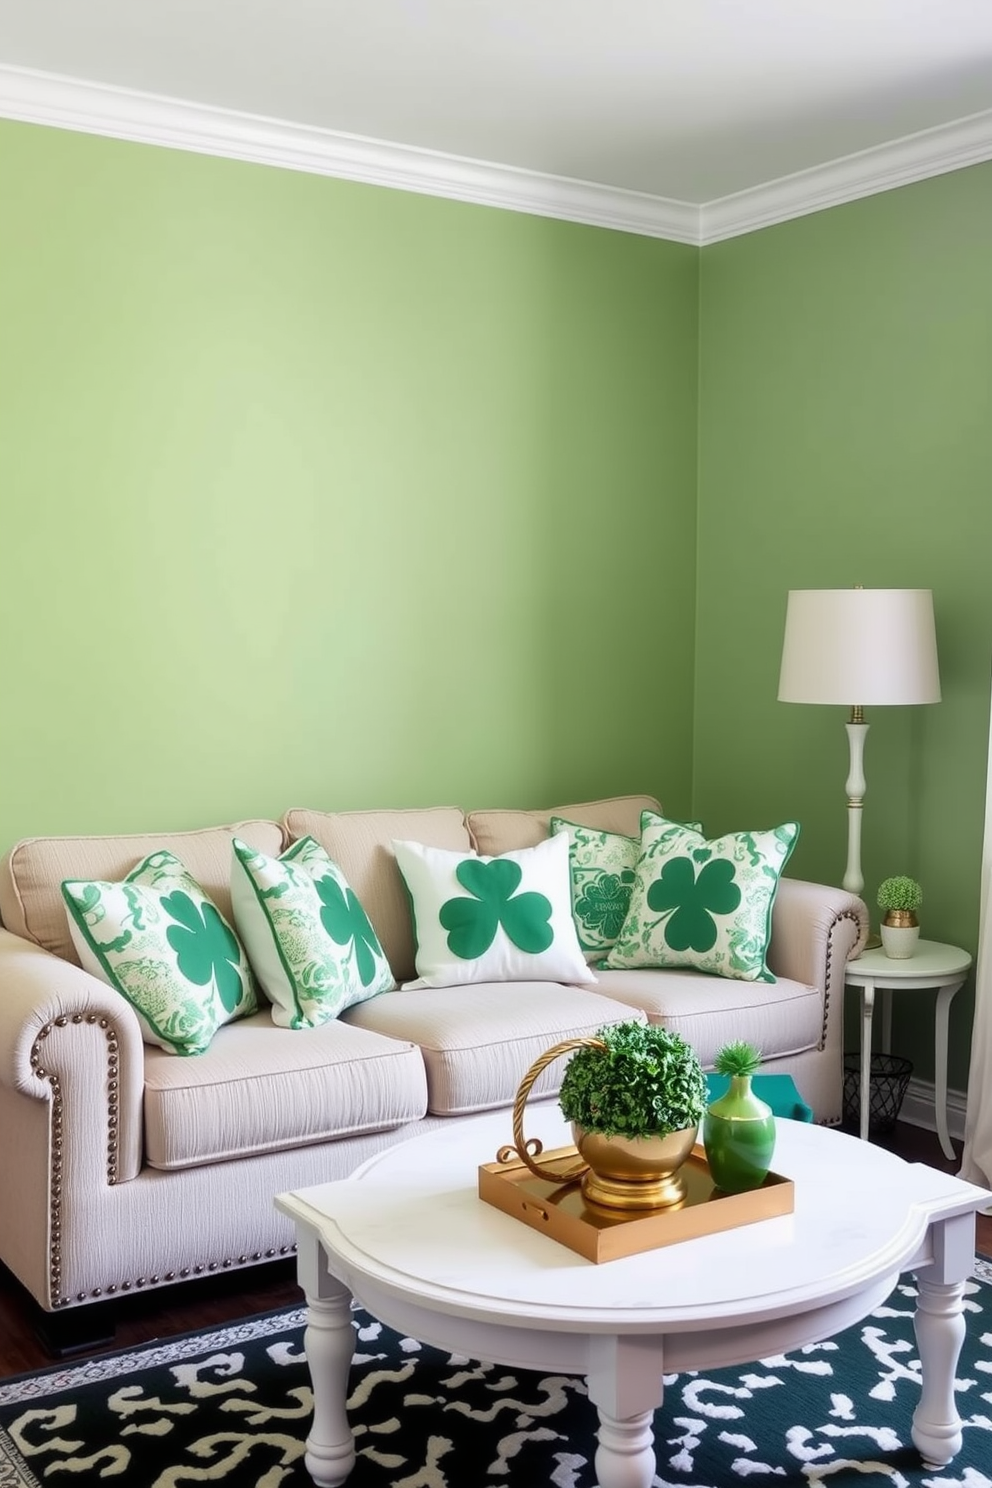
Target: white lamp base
[(855, 787)]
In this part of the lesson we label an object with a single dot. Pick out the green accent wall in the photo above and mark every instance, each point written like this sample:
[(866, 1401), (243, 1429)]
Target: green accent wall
[(321, 494), (846, 438)]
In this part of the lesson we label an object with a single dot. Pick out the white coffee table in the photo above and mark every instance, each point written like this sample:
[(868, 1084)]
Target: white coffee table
[(409, 1238)]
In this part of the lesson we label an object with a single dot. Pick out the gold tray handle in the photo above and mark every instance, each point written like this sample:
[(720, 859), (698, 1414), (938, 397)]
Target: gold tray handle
[(527, 1151)]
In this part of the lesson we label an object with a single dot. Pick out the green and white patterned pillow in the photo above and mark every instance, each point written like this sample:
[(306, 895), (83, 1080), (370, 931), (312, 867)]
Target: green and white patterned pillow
[(602, 868), (602, 875), (706, 905), (309, 940), (163, 945), (503, 919)]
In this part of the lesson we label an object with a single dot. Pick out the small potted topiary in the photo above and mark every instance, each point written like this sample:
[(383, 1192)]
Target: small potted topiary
[(900, 898), (738, 1127), (635, 1095)]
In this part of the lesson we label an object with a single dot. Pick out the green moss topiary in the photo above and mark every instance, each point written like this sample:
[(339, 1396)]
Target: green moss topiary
[(900, 893), (647, 1082)]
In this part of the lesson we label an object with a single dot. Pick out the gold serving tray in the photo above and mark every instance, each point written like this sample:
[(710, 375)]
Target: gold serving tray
[(560, 1210)]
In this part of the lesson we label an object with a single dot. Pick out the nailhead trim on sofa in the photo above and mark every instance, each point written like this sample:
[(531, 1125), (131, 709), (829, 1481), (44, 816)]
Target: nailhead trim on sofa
[(202, 1268), (55, 1191), (845, 915)]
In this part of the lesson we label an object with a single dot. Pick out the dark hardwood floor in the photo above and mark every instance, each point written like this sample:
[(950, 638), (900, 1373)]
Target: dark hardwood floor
[(213, 1301), (205, 1303)]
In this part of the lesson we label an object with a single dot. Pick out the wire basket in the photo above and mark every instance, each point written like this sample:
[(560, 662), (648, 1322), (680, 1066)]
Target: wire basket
[(888, 1081)]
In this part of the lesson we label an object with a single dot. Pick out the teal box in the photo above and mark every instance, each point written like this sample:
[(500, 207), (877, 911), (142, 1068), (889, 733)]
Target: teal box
[(778, 1090)]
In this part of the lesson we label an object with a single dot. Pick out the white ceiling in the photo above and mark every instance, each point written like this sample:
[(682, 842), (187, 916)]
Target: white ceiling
[(687, 100)]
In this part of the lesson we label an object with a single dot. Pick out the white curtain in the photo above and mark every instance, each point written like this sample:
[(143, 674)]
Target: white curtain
[(976, 1162)]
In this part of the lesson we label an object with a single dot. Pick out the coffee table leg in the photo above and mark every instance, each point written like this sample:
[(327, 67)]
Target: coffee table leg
[(625, 1454), (329, 1344), (940, 1329), (625, 1385)]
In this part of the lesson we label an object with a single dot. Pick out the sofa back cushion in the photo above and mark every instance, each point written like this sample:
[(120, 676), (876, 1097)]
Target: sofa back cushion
[(360, 842), (31, 873), (495, 832)]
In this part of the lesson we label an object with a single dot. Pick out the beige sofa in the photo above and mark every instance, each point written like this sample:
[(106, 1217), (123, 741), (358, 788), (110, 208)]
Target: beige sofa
[(124, 1168)]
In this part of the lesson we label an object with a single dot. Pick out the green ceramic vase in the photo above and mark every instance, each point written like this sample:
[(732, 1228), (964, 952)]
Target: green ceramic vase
[(739, 1137)]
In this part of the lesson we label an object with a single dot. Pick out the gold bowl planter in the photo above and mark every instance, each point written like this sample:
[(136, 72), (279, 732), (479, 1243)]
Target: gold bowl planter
[(619, 1172), (634, 1172)]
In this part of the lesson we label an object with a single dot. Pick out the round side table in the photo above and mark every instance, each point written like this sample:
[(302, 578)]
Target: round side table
[(943, 967)]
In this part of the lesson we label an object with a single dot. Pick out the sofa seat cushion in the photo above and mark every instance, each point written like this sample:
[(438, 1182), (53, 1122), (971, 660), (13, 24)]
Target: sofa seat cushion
[(479, 1041), (31, 873), (361, 843), (259, 1088), (779, 1018)]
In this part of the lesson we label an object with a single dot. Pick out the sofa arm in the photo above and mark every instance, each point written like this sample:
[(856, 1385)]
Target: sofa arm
[(815, 932), (67, 1039)]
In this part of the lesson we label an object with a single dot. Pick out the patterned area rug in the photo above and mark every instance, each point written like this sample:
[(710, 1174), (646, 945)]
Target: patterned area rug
[(232, 1407)]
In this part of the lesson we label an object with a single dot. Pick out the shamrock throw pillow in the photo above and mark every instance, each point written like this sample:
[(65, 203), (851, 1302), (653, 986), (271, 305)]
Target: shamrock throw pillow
[(480, 919), (309, 940), (602, 871), (706, 905), (159, 941)]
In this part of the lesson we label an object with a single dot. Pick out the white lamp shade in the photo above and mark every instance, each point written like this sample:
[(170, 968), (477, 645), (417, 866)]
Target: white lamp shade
[(859, 647)]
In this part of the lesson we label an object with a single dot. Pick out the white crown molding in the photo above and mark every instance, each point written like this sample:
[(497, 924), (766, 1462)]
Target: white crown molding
[(917, 157), (95, 108)]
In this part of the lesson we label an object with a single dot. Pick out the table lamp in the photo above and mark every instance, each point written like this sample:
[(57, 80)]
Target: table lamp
[(859, 647)]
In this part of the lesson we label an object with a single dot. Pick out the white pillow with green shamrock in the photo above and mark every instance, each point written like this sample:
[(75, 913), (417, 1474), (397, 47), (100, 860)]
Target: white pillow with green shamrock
[(701, 904), (479, 919), (308, 938), (164, 946)]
